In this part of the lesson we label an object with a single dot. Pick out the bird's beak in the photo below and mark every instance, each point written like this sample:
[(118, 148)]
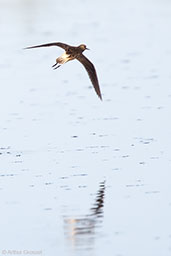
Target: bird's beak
[(87, 48)]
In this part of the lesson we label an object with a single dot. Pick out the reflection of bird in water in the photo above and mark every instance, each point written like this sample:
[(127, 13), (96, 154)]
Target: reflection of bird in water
[(71, 53), (82, 230)]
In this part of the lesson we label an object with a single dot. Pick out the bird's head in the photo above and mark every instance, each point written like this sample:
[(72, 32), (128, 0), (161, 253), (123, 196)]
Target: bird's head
[(83, 47)]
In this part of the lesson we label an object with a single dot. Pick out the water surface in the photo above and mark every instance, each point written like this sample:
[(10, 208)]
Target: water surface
[(79, 176)]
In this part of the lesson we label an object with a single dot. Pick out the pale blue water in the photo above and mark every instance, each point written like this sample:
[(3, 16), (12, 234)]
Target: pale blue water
[(79, 176)]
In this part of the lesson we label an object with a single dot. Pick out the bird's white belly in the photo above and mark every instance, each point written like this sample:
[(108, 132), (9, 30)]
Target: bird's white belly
[(63, 58)]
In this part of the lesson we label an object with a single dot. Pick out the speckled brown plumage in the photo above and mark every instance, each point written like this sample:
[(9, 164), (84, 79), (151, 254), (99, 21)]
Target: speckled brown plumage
[(72, 52)]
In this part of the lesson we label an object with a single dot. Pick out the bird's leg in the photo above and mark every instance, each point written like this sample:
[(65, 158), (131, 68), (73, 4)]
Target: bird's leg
[(54, 64), (56, 67)]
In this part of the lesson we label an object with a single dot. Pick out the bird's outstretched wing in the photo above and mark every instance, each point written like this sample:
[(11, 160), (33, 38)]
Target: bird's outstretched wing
[(91, 72), (64, 46)]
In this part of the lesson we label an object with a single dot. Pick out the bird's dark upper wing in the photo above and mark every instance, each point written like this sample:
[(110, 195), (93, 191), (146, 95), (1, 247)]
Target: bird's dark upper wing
[(64, 46), (91, 72)]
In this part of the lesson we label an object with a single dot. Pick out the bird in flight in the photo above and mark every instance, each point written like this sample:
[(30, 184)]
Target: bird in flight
[(71, 53)]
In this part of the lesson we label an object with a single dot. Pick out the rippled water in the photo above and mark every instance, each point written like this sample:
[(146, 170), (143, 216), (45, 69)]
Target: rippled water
[(79, 176)]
